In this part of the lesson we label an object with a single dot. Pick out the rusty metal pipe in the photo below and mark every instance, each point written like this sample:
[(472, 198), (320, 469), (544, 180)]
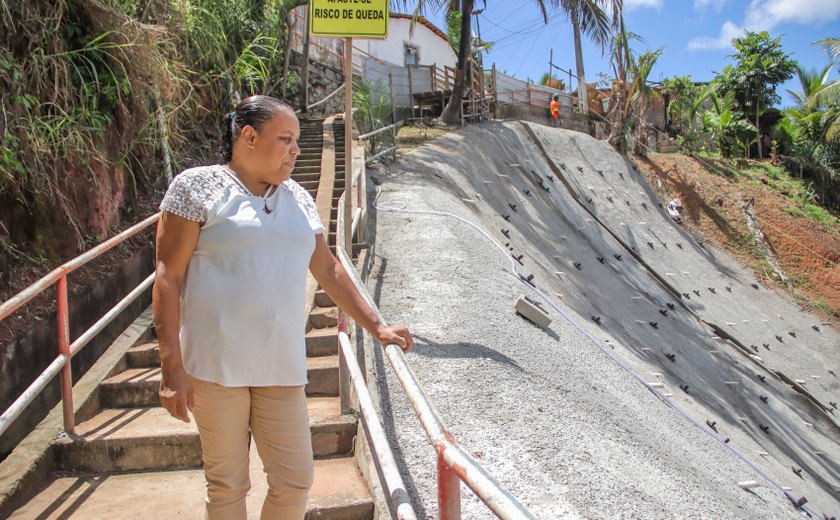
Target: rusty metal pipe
[(20, 404), (20, 299), (62, 364), (63, 323), (109, 316), (449, 491), (379, 441)]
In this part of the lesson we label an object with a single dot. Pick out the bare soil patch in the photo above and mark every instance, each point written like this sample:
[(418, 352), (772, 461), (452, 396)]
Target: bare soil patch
[(808, 252)]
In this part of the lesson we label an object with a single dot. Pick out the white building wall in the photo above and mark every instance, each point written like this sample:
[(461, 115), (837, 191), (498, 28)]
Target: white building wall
[(433, 48)]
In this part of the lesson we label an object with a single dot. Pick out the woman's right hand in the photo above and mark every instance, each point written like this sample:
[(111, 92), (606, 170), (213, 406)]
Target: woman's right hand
[(176, 393)]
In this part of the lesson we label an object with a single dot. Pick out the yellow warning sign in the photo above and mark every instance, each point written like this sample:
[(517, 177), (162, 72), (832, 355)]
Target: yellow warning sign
[(349, 18)]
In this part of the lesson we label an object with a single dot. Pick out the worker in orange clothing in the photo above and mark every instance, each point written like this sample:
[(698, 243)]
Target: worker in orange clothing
[(554, 107)]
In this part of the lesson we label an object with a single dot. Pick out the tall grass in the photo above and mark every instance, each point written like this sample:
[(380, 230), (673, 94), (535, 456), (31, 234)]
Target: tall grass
[(120, 86)]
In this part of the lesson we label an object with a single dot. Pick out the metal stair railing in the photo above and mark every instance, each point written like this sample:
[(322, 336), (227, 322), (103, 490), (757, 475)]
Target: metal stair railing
[(66, 350)]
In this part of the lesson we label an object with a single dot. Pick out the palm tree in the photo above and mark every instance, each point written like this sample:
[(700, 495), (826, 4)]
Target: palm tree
[(812, 82), (592, 19), (641, 94), (452, 112), (829, 96), (815, 114), (832, 48)]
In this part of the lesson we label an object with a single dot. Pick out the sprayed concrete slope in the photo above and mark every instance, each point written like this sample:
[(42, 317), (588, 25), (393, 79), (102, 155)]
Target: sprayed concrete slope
[(593, 257)]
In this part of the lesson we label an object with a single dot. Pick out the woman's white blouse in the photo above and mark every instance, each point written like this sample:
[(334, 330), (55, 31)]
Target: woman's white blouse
[(242, 303)]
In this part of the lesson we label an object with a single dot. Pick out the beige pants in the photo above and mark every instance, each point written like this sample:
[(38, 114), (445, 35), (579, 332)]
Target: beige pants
[(278, 419)]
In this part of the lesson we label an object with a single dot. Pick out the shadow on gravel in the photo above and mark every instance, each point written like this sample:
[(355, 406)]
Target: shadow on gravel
[(430, 349)]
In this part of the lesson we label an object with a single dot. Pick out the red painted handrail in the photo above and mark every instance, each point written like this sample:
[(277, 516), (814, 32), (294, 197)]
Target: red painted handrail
[(67, 350)]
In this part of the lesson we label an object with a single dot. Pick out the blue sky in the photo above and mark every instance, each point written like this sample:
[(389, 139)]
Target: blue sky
[(694, 33)]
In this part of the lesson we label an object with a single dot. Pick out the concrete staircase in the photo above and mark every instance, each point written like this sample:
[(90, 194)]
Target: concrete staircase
[(131, 459)]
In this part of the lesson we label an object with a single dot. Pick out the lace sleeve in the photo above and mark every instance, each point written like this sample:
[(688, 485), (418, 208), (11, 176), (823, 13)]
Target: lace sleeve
[(307, 204), (183, 199)]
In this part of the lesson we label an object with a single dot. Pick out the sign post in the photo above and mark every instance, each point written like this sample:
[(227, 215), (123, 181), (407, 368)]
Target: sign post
[(348, 19), (348, 146)]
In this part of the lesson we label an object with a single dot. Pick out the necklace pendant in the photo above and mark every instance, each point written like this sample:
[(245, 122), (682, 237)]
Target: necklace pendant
[(266, 209)]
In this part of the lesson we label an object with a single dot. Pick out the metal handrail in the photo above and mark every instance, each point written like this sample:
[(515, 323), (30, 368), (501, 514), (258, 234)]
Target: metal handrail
[(380, 130), (66, 350), (378, 440), (324, 99), (454, 464), (20, 299)]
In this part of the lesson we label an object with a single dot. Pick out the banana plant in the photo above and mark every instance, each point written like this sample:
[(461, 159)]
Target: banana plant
[(723, 123)]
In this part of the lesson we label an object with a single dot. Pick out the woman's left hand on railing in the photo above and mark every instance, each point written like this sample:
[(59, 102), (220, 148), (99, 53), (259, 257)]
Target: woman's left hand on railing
[(397, 334)]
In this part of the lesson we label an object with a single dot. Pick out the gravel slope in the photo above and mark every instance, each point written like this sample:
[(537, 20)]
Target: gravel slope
[(549, 415)]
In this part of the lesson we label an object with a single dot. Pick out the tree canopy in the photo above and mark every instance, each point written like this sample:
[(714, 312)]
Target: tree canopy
[(761, 65)]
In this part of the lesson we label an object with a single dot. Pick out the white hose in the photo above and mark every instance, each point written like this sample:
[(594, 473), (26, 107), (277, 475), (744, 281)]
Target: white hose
[(401, 207)]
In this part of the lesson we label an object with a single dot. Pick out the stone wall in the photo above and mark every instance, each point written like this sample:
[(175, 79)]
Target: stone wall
[(323, 80)]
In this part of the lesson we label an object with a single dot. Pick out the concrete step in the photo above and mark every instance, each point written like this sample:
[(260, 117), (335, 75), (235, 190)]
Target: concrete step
[(304, 163), (149, 439), (138, 387), (322, 342), (321, 317), (338, 493), (306, 176), (143, 356), (319, 342), (322, 299), (307, 170), (357, 248)]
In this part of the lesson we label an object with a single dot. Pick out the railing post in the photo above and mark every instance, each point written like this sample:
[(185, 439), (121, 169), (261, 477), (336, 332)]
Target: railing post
[(393, 116), (449, 491), (411, 93), (64, 348)]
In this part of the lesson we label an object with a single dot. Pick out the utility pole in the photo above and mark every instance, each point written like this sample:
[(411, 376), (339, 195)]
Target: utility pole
[(550, 64)]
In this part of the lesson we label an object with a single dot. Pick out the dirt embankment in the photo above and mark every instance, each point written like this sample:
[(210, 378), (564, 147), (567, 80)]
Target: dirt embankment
[(714, 200)]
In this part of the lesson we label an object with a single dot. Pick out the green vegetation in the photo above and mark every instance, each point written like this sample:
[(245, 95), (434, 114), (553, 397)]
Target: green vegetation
[(375, 110), (804, 139), (98, 95), (680, 92), (761, 65), (778, 179)]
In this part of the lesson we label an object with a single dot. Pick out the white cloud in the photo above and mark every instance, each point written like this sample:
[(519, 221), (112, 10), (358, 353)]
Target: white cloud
[(767, 14), (723, 41), (629, 5), (701, 5)]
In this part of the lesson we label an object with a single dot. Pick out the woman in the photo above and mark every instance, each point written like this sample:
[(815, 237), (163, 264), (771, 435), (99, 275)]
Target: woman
[(233, 246)]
